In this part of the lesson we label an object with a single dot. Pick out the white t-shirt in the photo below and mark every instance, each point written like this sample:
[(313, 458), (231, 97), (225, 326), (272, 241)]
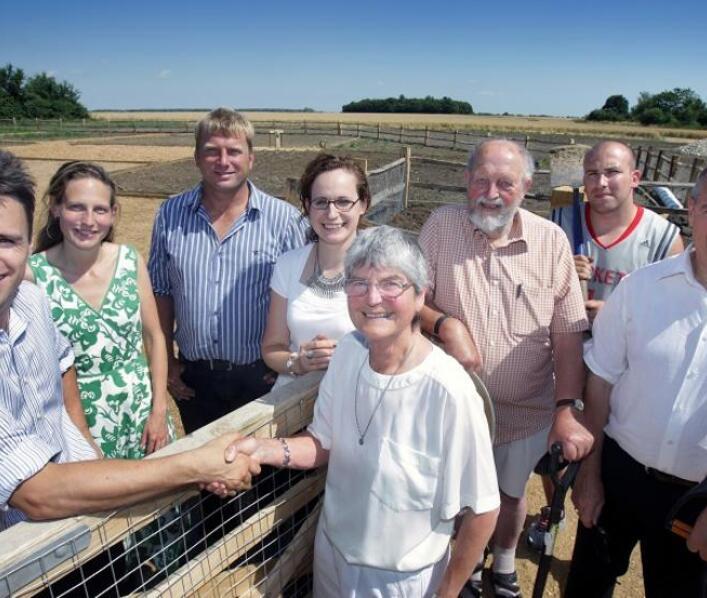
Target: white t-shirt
[(390, 503), (308, 314)]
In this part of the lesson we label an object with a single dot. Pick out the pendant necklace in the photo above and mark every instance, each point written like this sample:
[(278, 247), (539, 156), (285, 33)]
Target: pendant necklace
[(362, 435), (320, 284)]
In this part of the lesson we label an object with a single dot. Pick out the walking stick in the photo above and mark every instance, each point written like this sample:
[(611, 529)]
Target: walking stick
[(552, 464)]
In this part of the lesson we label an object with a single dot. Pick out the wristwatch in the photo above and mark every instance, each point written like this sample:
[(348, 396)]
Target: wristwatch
[(290, 364), (577, 404)]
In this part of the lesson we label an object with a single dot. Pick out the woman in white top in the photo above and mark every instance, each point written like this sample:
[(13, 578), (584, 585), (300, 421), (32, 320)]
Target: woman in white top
[(308, 313), (403, 431)]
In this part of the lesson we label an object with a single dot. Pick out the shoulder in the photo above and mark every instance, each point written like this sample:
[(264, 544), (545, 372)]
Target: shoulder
[(444, 222), (448, 213), (294, 257), (657, 222), (540, 230), (30, 301), (272, 206), (652, 273), (181, 204)]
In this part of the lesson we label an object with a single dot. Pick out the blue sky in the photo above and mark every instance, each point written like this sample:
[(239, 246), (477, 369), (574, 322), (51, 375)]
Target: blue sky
[(559, 58)]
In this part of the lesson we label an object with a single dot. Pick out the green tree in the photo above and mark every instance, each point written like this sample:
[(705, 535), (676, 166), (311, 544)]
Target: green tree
[(45, 97), (618, 104), (12, 82), (679, 106)]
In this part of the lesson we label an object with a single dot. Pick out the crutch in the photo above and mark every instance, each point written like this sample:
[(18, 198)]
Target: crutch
[(552, 464)]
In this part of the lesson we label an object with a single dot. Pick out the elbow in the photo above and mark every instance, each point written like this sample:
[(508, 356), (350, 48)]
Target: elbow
[(35, 506)]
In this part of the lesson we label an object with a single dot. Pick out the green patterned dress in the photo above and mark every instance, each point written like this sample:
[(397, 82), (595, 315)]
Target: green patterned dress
[(113, 378)]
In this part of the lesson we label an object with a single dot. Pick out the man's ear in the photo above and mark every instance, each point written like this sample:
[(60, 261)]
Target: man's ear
[(635, 178)]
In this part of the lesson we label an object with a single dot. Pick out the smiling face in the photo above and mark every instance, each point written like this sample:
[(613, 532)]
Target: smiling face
[(496, 187), (610, 177), (380, 319), (333, 226), (14, 251), (85, 214), (225, 162)]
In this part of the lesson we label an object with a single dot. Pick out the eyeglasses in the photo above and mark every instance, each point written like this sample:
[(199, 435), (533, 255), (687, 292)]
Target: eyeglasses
[(342, 204), (388, 289)]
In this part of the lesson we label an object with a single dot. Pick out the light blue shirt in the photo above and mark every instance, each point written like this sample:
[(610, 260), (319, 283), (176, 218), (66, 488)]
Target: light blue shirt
[(34, 426), (220, 287)]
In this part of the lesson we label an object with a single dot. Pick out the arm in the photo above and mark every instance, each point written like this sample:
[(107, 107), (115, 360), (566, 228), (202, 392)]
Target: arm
[(175, 385), (306, 451), (156, 433), (65, 489), (566, 428), (275, 346), (457, 339), (697, 540), (678, 246), (588, 492), (72, 404), (473, 536)]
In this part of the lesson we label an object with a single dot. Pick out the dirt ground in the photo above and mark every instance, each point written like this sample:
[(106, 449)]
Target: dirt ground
[(167, 169)]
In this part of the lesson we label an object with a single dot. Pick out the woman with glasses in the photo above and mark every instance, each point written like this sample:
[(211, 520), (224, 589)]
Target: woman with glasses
[(403, 431), (308, 314)]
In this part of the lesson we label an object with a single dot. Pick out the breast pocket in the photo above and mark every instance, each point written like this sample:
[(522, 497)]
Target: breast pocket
[(406, 479), (532, 310)]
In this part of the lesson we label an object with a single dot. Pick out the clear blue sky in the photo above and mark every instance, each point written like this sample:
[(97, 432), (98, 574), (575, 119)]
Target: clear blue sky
[(560, 58)]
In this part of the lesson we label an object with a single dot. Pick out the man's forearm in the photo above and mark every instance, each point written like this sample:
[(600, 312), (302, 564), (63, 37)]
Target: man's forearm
[(596, 414), (568, 365)]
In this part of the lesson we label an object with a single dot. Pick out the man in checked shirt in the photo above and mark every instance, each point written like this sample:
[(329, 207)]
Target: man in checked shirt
[(506, 302)]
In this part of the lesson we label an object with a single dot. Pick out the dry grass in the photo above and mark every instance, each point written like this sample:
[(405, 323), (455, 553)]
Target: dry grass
[(446, 121)]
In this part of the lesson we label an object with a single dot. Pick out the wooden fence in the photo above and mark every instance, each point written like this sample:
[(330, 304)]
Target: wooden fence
[(660, 165)]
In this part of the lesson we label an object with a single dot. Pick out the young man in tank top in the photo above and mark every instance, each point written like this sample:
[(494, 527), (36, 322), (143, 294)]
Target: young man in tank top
[(620, 235)]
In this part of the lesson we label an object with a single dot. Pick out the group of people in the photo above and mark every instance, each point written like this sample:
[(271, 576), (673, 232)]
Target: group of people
[(250, 290)]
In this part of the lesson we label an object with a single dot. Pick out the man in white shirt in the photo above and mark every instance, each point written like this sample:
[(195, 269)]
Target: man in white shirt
[(647, 407)]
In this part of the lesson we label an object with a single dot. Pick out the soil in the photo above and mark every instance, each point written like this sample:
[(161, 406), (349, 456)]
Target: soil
[(168, 168)]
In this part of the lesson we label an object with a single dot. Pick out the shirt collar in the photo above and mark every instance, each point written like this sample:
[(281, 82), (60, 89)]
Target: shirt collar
[(681, 264), (254, 199)]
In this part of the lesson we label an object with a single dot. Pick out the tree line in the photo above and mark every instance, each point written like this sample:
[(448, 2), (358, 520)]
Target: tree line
[(679, 107), (426, 105), (40, 96)]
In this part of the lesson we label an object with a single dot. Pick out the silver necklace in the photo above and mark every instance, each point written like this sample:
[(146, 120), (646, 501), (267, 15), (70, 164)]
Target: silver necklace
[(320, 284), (362, 435)]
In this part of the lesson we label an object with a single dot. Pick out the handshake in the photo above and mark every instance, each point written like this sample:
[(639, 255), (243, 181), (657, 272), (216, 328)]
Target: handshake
[(226, 465)]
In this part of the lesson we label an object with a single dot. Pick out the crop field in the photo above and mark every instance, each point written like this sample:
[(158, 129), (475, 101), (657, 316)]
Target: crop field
[(537, 124), (148, 168)]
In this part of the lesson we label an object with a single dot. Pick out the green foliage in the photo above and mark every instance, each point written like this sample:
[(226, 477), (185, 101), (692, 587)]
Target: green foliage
[(677, 107), (41, 96), (401, 104)]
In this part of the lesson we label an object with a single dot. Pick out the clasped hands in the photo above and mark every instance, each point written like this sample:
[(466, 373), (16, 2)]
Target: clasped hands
[(230, 462)]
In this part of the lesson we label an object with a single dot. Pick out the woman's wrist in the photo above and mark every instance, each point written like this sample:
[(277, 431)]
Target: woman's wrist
[(293, 365)]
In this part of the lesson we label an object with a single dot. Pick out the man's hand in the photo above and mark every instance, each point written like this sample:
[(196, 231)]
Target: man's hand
[(583, 266), (588, 494), (225, 477), (576, 440), (316, 354), (697, 540), (593, 306), (156, 432), (459, 344), (175, 384)]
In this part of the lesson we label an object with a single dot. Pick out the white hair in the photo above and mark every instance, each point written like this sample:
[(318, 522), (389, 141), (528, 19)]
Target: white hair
[(526, 156)]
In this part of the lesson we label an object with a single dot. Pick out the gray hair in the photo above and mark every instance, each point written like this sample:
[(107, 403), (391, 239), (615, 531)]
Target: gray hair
[(525, 155), (698, 187), (388, 247)]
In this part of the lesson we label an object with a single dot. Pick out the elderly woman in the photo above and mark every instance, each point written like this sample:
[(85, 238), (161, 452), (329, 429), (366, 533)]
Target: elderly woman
[(406, 439)]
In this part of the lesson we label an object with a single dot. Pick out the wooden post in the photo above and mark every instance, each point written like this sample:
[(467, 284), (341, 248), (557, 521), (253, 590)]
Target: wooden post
[(400, 139), (36, 123), (427, 136), (656, 172), (407, 154), (644, 175), (639, 149), (293, 190), (14, 122), (61, 122), (305, 126), (358, 129), (694, 170), (456, 137), (527, 141), (673, 167), (339, 128), (363, 163), (379, 131)]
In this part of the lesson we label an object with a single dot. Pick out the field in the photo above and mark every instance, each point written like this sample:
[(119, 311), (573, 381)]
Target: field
[(537, 124), (165, 166)]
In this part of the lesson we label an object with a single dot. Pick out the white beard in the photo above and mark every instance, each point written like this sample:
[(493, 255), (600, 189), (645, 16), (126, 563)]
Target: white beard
[(492, 223)]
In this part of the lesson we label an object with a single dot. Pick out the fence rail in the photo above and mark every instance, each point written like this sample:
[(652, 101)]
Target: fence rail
[(660, 165)]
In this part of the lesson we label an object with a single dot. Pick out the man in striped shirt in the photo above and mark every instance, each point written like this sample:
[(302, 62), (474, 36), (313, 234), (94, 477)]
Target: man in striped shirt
[(505, 300), (212, 255), (47, 468)]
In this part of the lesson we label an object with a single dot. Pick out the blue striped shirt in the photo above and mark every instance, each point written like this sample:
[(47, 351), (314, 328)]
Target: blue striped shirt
[(34, 426), (220, 287)]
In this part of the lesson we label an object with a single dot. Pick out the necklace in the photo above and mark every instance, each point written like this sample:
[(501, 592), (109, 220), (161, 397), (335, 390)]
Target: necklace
[(320, 284), (362, 435)]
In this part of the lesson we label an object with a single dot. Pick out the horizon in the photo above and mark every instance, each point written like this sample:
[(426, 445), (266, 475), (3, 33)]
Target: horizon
[(560, 60)]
